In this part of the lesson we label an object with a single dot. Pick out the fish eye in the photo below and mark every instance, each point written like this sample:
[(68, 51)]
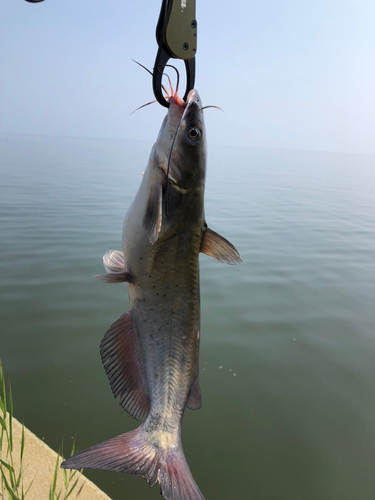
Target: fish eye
[(194, 134)]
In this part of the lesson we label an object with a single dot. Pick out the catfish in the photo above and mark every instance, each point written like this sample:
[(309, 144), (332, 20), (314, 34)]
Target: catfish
[(150, 354)]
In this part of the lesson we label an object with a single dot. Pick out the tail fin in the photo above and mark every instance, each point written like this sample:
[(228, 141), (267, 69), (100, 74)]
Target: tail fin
[(132, 453)]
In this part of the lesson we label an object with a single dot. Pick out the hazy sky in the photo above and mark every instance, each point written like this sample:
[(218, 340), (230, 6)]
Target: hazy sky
[(293, 74)]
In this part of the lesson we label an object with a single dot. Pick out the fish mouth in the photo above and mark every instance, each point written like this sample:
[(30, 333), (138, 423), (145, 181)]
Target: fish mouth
[(175, 100), (192, 97)]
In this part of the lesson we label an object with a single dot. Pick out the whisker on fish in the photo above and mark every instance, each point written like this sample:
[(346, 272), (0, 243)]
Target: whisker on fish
[(170, 84), (141, 65), (165, 90), (216, 107), (143, 106), (178, 78), (150, 72), (168, 95)]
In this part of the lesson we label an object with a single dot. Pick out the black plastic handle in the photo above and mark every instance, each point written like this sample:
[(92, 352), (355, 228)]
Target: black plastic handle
[(162, 58)]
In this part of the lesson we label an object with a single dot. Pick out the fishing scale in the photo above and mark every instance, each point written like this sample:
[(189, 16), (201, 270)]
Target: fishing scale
[(176, 35)]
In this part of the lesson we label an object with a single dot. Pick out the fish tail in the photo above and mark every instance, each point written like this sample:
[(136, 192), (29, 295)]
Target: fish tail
[(135, 453)]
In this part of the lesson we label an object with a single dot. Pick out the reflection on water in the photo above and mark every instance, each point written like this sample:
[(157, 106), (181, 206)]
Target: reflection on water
[(288, 343)]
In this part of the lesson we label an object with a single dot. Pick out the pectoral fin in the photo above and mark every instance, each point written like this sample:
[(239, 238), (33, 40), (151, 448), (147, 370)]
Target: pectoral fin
[(114, 264), (153, 217), (219, 248), (123, 366)]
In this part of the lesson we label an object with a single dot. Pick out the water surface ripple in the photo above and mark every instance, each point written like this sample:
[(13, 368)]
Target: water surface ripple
[(288, 342)]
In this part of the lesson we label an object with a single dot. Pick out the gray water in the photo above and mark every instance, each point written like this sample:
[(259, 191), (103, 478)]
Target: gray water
[(288, 341)]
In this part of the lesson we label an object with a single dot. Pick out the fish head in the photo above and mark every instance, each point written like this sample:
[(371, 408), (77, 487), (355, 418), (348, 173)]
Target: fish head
[(180, 149), (175, 177)]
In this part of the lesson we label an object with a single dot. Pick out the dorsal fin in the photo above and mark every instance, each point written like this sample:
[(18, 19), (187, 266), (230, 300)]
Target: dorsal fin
[(122, 364), (219, 248)]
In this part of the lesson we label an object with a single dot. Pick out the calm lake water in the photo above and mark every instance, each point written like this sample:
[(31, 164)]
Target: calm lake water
[(288, 339)]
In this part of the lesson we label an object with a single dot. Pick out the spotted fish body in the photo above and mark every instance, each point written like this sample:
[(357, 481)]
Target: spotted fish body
[(151, 353)]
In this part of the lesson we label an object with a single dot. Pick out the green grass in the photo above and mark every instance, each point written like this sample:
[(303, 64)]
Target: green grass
[(70, 481), (12, 485)]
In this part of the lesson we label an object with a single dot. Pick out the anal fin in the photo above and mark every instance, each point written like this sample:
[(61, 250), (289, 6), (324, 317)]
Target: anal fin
[(216, 246), (123, 366), (114, 264)]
